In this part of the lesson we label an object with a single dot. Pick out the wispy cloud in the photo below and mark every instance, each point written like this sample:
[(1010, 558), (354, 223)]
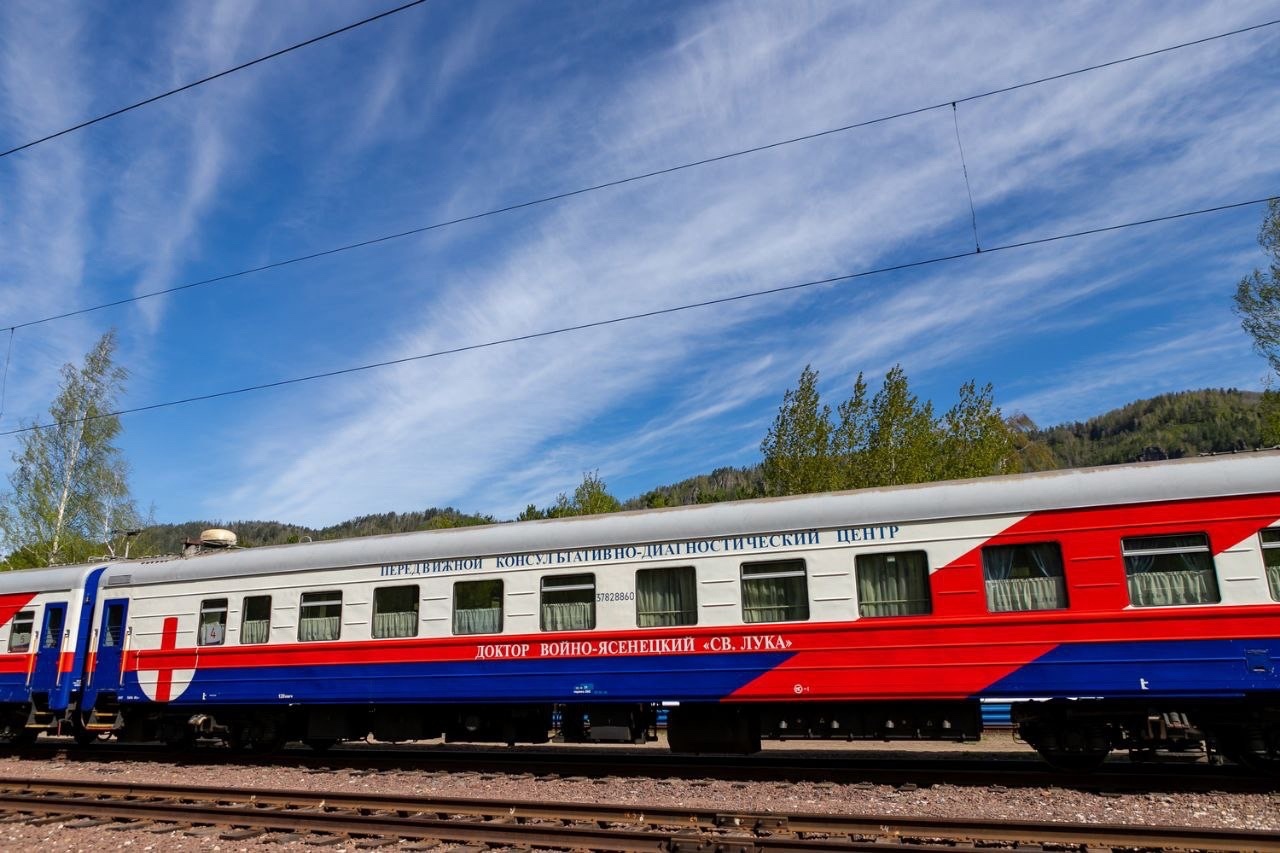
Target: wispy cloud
[(461, 109)]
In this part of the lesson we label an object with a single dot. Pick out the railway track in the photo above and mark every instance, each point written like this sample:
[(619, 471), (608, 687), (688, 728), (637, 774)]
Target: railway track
[(884, 767), (249, 813)]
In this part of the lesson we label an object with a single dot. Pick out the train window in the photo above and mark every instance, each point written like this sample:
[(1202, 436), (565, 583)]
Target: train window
[(666, 597), (893, 584), (477, 607), (569, 603), (395, 612), (320, 616), (255, 624), (53, 621), (1024, 577), (1271, 557), (776, 591), (20, 631), (1170, 570), (113, 626), (213, 622)]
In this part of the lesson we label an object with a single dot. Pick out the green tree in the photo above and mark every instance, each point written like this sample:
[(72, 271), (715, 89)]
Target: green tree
[(70, 489), (531, 513), (591, 497), (976, 439), (904, 442), (1258, 305), (1269, 412), (850, 438), (891, 439), (1258, 294), (797, 448), (1031, 453), (450, 517)]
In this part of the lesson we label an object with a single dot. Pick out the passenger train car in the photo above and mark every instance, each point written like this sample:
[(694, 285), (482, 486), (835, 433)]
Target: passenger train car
[(1133, 606)]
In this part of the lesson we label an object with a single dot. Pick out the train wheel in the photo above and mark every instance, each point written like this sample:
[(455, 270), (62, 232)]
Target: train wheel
[(1074, 747), (1258, 749), (84, 737), (1074, 762), (320, 744), (260, 742)]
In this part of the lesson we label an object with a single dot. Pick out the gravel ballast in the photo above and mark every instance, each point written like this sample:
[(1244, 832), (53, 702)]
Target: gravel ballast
[(1239, 811)]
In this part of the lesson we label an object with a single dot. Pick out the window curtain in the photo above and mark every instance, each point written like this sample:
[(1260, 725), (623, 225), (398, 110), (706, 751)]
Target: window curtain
[(312, 628), (1273, 581), (1154, 589), (254, 630), (1024, 577), (898, 588), (477, 620), (399, 623), (1163, 580), (568, 616), (1026, 594), (783, 599), (666, 597), (998, 563)]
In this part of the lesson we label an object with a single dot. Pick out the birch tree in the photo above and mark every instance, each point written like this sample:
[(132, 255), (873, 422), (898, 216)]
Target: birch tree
[(1258, 306), (69, 486), (1258, 294)]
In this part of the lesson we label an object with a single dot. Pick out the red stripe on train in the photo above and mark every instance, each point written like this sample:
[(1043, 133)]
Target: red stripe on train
[(994, 645)]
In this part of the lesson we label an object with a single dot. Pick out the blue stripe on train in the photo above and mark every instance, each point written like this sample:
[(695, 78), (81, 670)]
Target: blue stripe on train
[(13, 687), (618, 679), (1203, 668)]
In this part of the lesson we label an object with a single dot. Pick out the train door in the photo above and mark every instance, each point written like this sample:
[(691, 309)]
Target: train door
[(107, 664), (45, 673)]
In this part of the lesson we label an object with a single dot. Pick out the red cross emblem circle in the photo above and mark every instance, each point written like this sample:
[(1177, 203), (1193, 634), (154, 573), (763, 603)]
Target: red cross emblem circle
[(164, 673)]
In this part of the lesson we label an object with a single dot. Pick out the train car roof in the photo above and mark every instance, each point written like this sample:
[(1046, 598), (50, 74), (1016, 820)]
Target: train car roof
[(47, 580), (1199, 477)]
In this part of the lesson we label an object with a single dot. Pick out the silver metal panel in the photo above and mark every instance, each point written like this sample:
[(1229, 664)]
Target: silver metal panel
[(1205, 477)]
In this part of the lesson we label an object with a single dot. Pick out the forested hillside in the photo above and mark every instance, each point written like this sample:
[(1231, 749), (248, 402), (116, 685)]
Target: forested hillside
[(169, 538), (1168, 426)]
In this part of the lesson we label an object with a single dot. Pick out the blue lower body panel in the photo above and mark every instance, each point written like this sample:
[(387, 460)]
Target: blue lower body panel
[(1186, 668), (707, 678)]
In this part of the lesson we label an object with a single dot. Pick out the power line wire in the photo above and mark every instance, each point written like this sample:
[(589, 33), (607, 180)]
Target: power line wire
[(595, 324), (211, 77), (626, 180), (973, 212), (4, 384)]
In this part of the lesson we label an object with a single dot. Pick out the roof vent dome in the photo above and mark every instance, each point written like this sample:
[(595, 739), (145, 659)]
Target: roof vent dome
[(217, 537)]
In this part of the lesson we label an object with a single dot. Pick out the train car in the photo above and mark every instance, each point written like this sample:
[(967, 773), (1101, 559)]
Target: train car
[(44, 639), (1133, 606)]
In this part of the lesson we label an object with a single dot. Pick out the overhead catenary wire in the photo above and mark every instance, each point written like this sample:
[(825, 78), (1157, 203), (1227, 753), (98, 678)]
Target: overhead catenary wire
[(4, 383), (973, 211), (560, 196), (224, 73), (626, 318)]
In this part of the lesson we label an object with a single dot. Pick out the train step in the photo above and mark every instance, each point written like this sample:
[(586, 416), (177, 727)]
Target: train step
[(40, 720), (102, 720)]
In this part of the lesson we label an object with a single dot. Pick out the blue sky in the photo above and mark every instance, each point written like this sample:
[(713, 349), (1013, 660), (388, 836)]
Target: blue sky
[(454, 108)]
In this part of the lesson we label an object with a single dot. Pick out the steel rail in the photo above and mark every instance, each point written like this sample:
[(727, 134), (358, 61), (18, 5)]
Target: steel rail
[(631, 827)]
